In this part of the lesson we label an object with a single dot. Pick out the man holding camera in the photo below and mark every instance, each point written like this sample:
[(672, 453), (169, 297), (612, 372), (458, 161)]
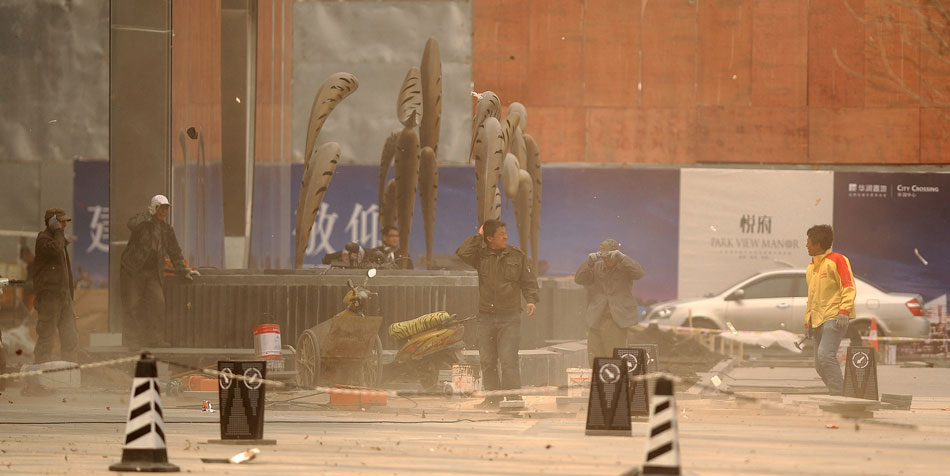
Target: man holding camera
[(608, 276)]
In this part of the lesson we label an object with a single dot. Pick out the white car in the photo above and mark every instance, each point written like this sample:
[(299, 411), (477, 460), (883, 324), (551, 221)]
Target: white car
[(776, 300)]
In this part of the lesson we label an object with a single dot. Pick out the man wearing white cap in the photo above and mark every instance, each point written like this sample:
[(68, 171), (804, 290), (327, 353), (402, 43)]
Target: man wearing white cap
[(143, 267)]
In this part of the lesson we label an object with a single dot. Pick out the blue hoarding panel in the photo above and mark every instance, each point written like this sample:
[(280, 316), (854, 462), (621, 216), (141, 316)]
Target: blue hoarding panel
[(637, 207), (894, 227)]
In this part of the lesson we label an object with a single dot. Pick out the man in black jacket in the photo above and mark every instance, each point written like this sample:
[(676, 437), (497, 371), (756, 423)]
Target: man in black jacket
[(390, 249), (504, 275), (53, 285), (608, 276), (142, 272)]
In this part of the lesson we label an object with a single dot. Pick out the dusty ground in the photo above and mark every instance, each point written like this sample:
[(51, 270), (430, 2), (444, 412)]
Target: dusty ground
[(81, 432)]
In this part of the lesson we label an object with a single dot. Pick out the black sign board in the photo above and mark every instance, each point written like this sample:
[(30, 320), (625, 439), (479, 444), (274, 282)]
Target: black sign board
[(241, 402), (608, 409), (860, 373), (636, 362), (653, 356)]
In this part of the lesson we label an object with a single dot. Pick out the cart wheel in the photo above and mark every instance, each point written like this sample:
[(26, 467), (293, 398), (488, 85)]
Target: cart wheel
[(373, 365), (308, 360)]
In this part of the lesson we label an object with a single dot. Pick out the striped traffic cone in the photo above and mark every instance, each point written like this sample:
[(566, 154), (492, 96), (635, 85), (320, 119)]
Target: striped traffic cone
[(144, 448), (873, 334), (663, 452)]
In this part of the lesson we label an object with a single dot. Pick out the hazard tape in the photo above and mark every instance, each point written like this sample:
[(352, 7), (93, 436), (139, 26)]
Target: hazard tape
[(275, 383), (547, 390), (906, 339), (703, 330), (104, 363)]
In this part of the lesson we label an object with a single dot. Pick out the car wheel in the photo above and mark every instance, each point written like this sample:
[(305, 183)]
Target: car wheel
[(704, 323)]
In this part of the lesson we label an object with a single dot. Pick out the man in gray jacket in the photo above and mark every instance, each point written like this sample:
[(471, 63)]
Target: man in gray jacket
[(608, 276)]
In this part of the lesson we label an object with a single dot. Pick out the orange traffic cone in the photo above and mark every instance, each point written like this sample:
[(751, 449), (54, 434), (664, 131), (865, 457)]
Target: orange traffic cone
[(873, 334)]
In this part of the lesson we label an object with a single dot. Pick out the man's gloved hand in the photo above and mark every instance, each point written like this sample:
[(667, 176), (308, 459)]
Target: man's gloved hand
[(54, 223), (193, 272), (592, 258), (842, 322), (615, 255)]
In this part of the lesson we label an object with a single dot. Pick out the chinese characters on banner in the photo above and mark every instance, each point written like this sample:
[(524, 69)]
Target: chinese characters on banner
[(91, 221)]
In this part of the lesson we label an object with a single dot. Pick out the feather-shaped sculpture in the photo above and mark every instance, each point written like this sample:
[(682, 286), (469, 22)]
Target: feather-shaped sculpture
[(493, 158), (510, 180), (519, 149), (409, 104), (495, 213), (479, 150), (534, 168), (334, 90), (431, 71), (488, 105), (385, 161), (523, 210), (407, 176), (316, 180), (388, 212), (428, 193), (508, 130), (517, 107)]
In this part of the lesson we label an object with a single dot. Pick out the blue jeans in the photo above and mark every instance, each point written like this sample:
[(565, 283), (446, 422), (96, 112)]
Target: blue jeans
[(499, 336), (827, 339)]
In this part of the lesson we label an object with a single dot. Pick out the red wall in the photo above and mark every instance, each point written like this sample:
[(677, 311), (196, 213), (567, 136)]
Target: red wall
[(729, 81)]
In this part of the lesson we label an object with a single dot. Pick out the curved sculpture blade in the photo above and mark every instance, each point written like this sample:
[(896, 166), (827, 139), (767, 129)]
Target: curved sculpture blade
[(409, 104), (315, 183), (534, 168), (407, 177), (428, 193), (431, 70)]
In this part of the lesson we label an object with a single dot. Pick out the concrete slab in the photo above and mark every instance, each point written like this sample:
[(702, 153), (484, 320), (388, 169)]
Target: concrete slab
[(924, 382)]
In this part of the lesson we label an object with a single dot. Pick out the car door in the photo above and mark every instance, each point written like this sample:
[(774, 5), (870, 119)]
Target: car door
[(796, 323), (765, 304)]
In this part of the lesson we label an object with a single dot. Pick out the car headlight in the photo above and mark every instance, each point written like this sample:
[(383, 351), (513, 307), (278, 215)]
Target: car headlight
[(664, 312)]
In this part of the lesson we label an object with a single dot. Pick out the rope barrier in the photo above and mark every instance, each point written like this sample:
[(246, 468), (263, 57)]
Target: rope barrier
[(104, 363)]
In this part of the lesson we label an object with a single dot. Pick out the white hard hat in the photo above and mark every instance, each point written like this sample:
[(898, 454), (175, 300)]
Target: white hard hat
[(157, 201)]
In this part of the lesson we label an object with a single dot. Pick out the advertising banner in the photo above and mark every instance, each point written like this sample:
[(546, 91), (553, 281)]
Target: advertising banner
[(581, 207), (734, 223), (895, 227), (91, 221)]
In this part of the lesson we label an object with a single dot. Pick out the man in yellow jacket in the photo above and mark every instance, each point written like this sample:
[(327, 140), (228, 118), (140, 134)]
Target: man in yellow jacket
[(830, 305)]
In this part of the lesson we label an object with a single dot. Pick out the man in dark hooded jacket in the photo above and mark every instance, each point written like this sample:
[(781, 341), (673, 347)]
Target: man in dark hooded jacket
[(53, 285), (142, 271)]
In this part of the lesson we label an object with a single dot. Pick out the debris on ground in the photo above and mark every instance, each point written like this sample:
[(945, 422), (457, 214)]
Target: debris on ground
[(680, 354), (239, 458)]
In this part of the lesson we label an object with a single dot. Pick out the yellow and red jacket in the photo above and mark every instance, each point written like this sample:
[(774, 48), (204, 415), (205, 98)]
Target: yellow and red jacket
[(831, 289)]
